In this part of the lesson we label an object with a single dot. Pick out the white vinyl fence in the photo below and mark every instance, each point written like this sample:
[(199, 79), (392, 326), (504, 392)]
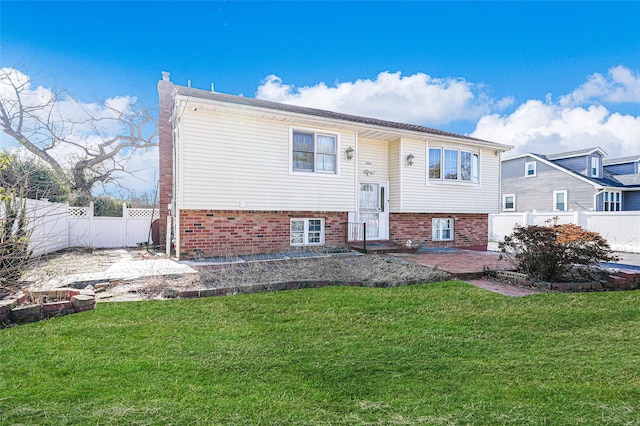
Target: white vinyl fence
[(620, 229), (57, 226)]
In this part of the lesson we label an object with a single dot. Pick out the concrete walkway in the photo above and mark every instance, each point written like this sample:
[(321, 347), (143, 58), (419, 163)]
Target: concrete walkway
[(504, 289)]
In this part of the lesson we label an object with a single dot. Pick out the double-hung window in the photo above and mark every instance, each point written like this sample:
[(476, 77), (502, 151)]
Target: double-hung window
[(612, 201), (314, 152), (509, 202), (530, 168), (442, 229), (307, 232), (560, 201), (454, 165)]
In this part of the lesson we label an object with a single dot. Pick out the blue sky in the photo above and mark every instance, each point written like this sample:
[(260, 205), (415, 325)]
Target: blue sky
[(497, 70)]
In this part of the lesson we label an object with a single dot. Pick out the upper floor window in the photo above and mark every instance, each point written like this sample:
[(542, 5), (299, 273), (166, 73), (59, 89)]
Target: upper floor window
[(435, 165), (560, 201), (450, 164), (612, 201), (530, 168), (454, 165), (595, 166), (314, 152)]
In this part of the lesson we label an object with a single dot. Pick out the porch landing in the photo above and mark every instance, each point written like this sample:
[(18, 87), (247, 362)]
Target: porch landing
[(381, 247)]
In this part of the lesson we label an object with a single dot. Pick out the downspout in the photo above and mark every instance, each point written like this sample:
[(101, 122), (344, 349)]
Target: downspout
[(174, 200), (499, 154)]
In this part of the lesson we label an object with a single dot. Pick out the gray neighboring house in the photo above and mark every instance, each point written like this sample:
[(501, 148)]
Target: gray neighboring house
[(576, 180)]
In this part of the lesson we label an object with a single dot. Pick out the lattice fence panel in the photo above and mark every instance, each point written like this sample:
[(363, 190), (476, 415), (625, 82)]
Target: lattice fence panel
[(79, 211), (143, 214)]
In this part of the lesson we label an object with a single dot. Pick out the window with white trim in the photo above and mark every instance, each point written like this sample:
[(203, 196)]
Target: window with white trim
[(595, 166), (560, 201), (612, 201), (454, 165), (509, 202), (442, 229), (307, 232), (435, 163), (530, 168), (314, 152), (451, 164)]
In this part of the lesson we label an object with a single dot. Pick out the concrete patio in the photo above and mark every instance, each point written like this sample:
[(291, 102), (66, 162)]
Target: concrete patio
[(461, 264)]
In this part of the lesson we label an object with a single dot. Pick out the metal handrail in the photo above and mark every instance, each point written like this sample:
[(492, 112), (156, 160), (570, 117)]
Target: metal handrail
[(356, 232)]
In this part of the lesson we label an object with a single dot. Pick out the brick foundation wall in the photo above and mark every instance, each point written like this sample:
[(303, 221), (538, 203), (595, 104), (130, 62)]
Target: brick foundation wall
[(470, 229), (230, 232), (165, 141)]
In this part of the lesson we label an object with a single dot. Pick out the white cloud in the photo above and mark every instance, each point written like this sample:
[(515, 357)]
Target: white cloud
[(549, 128), (577, 120), (417, 99), (620, 85)]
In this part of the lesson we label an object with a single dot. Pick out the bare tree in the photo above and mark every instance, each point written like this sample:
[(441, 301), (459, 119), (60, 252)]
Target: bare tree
[(84, 143), (14, 232)]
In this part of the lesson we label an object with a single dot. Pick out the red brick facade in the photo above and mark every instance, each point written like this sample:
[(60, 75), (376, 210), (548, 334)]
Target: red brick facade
[(231, 232), (470, 229), (165, 135)]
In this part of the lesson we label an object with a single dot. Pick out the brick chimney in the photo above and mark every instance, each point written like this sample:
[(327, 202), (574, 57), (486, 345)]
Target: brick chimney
[(166, 135)]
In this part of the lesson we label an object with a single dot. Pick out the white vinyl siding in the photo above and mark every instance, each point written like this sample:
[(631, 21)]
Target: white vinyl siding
[(395, 171), (231, 161), (373, 156), (422, 195)]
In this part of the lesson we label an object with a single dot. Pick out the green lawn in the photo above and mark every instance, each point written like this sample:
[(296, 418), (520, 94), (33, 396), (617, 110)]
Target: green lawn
[(443, 353)]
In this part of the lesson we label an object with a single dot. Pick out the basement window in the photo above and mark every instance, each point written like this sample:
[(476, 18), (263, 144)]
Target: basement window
[(307, 232), (442, 229)]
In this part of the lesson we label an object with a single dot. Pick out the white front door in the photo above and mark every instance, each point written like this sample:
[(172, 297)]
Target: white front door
[(373, 209)]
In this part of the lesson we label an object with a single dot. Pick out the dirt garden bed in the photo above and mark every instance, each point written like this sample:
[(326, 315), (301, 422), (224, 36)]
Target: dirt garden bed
[(365, 270), (371, 270)]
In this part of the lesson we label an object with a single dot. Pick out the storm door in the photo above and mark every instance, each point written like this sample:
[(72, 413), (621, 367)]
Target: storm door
[(373, 209)]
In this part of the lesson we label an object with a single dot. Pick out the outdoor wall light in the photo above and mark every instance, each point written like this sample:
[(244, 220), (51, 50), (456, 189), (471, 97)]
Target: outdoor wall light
[(349, 153), (410, 158)]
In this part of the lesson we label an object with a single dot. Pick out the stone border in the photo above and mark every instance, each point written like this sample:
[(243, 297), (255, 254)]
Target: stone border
[(618, 280), (64, 301), (170, 293)]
